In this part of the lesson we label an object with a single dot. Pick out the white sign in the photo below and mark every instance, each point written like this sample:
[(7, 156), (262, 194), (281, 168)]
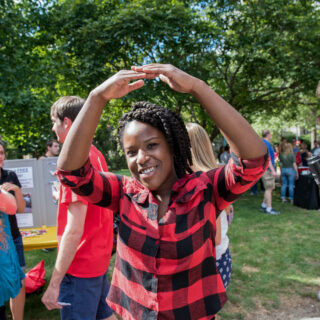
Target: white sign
[(25, 176), (24, 220)]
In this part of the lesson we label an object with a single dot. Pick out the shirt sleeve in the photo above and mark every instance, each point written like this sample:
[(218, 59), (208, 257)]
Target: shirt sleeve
[(99, 188), (67, 196), (235, 178), (14, 178)]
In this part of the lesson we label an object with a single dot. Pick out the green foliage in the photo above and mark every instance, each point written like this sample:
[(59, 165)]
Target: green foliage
[(307, 139), (261, 56), (25, 83)]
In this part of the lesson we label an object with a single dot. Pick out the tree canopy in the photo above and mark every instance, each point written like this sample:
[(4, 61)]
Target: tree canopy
[(262, 56)]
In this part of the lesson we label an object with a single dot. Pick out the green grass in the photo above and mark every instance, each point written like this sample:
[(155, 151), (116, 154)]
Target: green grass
[(273, 257), (123, 172), (34, 308)]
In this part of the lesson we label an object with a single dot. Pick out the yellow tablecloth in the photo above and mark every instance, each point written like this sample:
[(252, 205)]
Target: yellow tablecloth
[(46, 240)]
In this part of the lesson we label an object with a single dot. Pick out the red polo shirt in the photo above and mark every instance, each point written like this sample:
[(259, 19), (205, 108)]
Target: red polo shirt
[(94, 251)]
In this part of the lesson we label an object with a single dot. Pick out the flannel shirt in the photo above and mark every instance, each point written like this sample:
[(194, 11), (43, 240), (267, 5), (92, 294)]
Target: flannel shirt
[(166, 269)]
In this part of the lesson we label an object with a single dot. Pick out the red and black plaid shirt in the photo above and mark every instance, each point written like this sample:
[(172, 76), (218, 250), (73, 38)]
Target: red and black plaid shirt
[(166, 269)]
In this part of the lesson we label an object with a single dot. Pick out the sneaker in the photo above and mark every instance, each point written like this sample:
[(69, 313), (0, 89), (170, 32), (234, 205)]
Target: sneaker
[(272, 212), (262, 209), (284, 200)]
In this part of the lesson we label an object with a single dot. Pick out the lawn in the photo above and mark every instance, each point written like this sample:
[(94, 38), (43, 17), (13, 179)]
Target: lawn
[(275, 259)]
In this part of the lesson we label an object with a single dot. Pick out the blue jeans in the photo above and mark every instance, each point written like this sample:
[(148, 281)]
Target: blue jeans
[(288, 177)]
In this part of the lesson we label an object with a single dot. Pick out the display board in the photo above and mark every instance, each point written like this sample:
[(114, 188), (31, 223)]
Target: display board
[(38, 186)]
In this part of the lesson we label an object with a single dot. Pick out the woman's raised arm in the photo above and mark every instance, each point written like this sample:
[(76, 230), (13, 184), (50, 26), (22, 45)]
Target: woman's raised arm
[(243, 140), (76, 147)]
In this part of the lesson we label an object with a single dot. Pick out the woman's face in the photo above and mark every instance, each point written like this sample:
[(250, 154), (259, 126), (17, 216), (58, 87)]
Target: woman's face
[(149, 157), (2, 156)]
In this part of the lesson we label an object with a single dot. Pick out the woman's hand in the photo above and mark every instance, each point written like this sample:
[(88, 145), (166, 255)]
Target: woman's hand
[(175, 78), (8, 186), (7, 202), (120, 84), (21, 204)]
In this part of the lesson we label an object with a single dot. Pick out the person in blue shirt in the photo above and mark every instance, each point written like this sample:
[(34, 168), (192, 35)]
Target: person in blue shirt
[(269, 177), (11, 274)]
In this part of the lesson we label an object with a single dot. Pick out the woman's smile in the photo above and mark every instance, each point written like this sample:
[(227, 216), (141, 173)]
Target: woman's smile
[(148, 171)]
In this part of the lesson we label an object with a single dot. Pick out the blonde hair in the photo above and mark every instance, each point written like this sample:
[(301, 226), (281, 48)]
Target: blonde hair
[(201, 149), (287, 148)]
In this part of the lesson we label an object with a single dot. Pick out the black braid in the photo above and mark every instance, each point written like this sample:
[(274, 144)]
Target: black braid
[(170, 124)]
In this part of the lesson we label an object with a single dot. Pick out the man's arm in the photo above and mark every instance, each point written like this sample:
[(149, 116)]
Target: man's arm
[(67, 249), (273, 171)]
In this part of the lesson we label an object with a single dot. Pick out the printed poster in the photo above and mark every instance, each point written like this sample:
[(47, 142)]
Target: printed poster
[(25, 176)]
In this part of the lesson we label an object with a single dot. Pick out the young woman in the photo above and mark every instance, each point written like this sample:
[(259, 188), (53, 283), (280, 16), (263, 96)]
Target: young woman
[(165, 266), (203, 160), (289, 172), (11, 275), (9, 182)]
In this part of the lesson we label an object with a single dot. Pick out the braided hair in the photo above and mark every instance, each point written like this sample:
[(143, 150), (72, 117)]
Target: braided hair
[(170, 124)]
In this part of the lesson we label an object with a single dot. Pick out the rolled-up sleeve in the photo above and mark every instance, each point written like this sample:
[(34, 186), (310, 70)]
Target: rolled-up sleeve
[(235, 178), (99, 188)]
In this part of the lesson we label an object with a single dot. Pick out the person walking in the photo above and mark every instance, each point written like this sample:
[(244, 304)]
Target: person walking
[(269, 177)]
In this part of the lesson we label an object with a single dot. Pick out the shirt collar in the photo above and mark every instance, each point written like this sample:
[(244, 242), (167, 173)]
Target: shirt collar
[(182, 191), (136, 191), (189, 186)]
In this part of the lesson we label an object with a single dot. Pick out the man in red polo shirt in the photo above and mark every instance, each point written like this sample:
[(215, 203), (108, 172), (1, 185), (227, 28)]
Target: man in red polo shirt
[(79, 285)]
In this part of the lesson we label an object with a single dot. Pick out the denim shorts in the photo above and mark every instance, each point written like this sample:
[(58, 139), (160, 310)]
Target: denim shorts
[(87, 297), (19, 247)]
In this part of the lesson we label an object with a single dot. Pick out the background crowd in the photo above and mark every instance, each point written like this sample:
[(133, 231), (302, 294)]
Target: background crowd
[(289, 157)]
